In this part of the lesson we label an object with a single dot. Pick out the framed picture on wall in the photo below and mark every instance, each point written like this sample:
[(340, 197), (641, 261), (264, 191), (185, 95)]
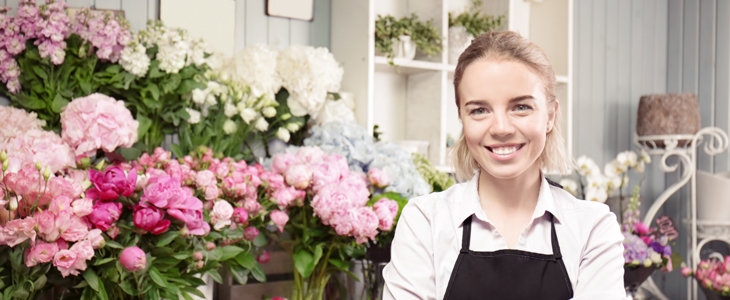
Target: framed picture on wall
[(292, 9)]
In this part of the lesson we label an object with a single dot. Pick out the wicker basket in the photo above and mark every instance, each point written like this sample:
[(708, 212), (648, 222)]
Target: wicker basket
[(668, 114)]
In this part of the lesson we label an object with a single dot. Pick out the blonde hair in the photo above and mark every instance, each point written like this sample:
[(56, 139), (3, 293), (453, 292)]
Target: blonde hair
[(511, 46)]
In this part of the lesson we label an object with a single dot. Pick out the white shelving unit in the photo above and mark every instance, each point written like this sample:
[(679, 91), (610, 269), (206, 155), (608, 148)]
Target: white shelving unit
[(415, 100)]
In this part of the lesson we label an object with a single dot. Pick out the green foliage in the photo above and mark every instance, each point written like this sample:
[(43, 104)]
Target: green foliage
[(438, 180), (475, 21), (424, 34)]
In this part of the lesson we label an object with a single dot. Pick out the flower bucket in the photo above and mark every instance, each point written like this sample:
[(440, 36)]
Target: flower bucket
[(404, 47), (459, 39), (711, 294), (635, 276)]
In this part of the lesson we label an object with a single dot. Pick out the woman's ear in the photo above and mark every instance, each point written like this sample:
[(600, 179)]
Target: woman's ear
[(552, 115)]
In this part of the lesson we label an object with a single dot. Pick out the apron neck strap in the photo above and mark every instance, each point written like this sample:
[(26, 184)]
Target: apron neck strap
[(466, 235), (554, 239)]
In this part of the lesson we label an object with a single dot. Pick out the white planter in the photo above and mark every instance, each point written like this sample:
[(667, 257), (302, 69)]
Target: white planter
[(459, 40), (404, 48), (713, 196)]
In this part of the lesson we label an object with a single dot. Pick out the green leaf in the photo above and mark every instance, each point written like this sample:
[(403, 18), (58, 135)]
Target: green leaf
[(230, 252), (157, 277), (58, 103), (317, 254), (154, 70), (215, 254), (92, 279), (239, 274), (177, 151), (20, 293), (128, 288), (114, 69), (144, 125), (113, 244), (194, 291), (182, 113), (130, 154), (259, 241), (166, 238), (215, 275), (181, 256), (102, 292), (81, 285), (85, 87), (40, 72), (171, 83), (304, 262), (340, 264), (39, 283), (88, 294), (246, 260), (258, 273), (153, 294), (188, 85), (154, 91), (32, 103)]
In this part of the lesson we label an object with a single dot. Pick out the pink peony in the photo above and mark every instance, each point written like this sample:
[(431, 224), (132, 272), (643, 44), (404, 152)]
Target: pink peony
[(44, 147), (330, 200), (111, 184), (240, 216), (41, 253), (286, 196), (161, 190), (151, 219), (298, 176), (386, 210), (198, 226), (325, 173), (378, 178), (133, 259), (366, 225), (282, 162), (105, 214), (310, 155), (356, 185), (97, 122), (279, 218)]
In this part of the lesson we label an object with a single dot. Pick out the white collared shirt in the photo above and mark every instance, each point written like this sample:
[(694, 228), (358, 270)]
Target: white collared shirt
[(428, 239)]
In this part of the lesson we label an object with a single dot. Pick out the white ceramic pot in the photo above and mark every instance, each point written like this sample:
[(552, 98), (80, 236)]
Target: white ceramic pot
[(459, 39), (404, 48)]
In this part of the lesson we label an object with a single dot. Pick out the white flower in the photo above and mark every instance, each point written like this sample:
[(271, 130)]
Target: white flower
[(229, 126), (210, 99), (615, 168), (335, 110), (194, 116), (293, 127), (199, 96), (230, 110), (640, 167), (261, 125), (134, 59), (627, 159), (570, 186), (597, 182), (645, 156), (655, 257), (586, 166), (596, 194), (255, 66), (221, 214), (308, 74), (248, 115), (283, 134), (613, 183), (269, 112)]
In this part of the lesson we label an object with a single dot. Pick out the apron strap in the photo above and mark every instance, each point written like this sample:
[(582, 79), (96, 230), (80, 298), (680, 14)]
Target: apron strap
[(466, 235), (554, 239)]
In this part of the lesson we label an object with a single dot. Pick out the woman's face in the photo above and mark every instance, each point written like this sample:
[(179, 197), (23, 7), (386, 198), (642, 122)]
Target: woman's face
[(505, 116)]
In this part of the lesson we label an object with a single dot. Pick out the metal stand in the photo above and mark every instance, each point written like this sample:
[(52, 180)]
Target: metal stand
[(687, 155)]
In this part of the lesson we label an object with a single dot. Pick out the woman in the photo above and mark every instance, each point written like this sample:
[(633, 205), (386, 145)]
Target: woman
[(508, 233)]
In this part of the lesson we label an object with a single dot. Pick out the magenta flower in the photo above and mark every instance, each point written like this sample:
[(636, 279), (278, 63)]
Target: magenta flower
[(151, 219), (105, 214), (111, 184), (133, 259)]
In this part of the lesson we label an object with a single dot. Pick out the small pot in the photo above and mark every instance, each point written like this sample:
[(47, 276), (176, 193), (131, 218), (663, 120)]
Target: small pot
[(404, 48), (635, 276)]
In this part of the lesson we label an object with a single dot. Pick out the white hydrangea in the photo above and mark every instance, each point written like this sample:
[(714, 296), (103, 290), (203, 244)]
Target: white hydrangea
[(337, 110), (134, 59), (255, 66), (308, 74)]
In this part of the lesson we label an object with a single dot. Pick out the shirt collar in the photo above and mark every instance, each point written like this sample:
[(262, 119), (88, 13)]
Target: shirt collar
[(469, 203)]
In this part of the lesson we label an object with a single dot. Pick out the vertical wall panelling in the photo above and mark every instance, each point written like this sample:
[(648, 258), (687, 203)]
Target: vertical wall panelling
[(14, 5), (240, 32), (611, 144), (153, 9), (722, 78), (675, 45), (637, 61), (257, 26), (79, 3), (598, 80), (109, 4), (623, 101), (278, 32), (136, 13), (583, 100), (706, 73), (319, 29), (299, 32)]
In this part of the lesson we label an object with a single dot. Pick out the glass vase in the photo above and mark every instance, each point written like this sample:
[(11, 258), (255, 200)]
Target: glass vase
[(311, 288)]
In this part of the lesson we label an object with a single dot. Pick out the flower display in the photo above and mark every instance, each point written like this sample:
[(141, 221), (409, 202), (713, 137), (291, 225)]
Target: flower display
[(438, 180), (105, 33), (308, 74), (712, 274), (98, 122), (38, 147), (598, 186), (256, 67), (17, 122)]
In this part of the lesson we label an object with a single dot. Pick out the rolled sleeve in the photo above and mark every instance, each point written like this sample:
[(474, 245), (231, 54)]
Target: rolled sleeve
[(601, 272), (410, 273)]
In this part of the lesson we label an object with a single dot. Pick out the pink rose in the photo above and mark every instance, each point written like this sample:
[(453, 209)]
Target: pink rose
[(212, 192), (162, 190), (159, 155), (96, 239), (205, 178), (222, 213), (279, 218), (250, 233), (378, 178), (252, 206), (299, 176), (282, 161), (41, 253), (641, 229), (240, 216), (111, 184), (285, 196), (105, 214), (133, 259), (83, 207), (264, 257), (64, 261), (150, 219), (96, 122), (386, 210)]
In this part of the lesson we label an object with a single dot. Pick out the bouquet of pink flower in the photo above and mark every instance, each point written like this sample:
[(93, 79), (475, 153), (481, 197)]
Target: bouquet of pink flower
[(713, 276), (323, 208)]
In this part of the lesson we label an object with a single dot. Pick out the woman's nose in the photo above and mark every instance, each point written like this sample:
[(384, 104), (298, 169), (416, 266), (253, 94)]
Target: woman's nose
[(501, 125)]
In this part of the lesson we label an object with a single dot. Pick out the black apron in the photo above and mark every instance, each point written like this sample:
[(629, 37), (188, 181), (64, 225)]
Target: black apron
[(508, 274)]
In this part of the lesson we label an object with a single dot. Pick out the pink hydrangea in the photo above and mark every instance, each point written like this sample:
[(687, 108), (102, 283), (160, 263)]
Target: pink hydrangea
[(97, 122), (38, 146), (17, 122)]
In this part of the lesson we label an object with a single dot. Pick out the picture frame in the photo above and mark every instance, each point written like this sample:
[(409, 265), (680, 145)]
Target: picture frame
[(291, 9)]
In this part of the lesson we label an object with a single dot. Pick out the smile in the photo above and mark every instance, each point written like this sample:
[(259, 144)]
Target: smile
[(505, 150)]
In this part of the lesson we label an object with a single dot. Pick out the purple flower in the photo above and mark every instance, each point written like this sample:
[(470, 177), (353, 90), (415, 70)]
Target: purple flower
[(635, 250)]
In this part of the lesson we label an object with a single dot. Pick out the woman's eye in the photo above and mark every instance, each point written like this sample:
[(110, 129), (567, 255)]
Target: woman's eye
[(523, 107), (477, 111)]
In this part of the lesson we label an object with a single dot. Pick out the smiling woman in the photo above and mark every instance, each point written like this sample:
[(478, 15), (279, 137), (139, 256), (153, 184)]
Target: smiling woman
[(505, 96)]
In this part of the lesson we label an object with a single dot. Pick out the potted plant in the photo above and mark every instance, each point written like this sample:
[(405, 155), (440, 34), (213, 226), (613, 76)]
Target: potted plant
[(400, 38), (466, 26)]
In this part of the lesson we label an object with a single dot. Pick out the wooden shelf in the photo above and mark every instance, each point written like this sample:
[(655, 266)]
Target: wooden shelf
[(403, 66)]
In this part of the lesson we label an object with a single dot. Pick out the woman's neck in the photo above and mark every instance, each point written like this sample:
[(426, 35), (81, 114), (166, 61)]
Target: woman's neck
[(510, 196)]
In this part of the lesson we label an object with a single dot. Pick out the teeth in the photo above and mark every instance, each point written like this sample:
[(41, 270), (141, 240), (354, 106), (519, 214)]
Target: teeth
[(504, 150)]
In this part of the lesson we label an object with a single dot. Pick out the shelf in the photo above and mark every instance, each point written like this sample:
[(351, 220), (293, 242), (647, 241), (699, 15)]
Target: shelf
[(403, 66), (562, 79)]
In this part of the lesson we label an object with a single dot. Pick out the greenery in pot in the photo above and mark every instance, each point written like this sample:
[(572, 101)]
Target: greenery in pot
[(424, 34), (475, 21)]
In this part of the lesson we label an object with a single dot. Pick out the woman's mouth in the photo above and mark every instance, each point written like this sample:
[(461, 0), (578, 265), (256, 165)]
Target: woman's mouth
[(505, 150)]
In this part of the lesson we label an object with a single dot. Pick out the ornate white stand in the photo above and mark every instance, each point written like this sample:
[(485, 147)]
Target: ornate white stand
[(687, 155)]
